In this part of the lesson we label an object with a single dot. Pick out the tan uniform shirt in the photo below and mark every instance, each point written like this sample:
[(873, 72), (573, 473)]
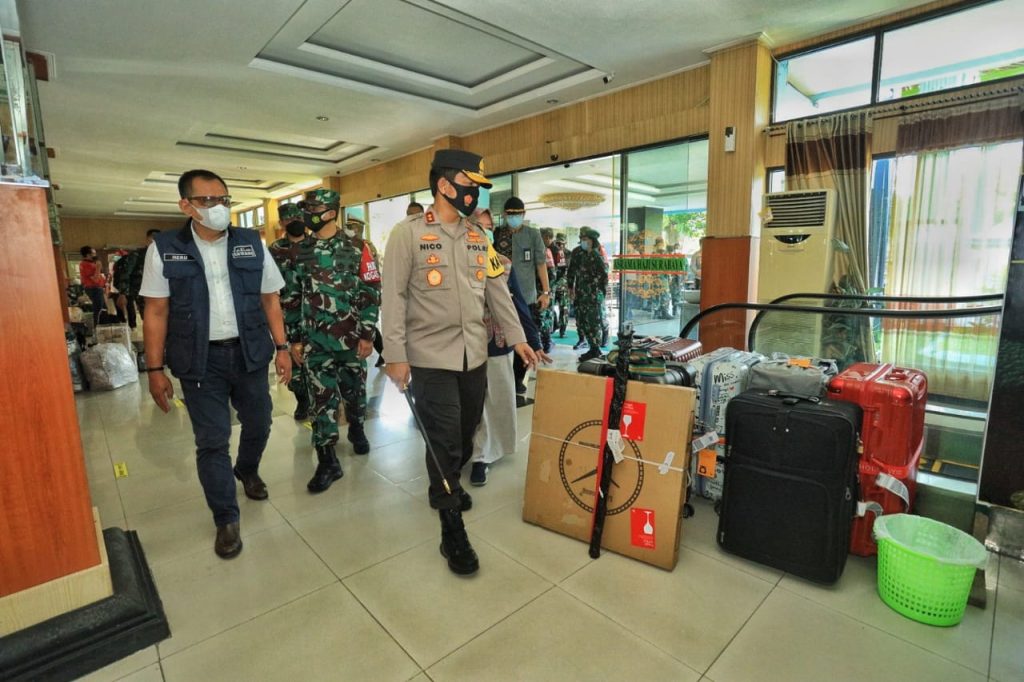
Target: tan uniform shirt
[(437, 279)]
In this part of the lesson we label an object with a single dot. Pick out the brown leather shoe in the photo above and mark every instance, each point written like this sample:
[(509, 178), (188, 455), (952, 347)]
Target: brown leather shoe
[(229, 542), (255, 488)]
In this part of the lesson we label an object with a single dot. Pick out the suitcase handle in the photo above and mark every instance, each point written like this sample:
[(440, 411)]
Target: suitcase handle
[(792, 398)]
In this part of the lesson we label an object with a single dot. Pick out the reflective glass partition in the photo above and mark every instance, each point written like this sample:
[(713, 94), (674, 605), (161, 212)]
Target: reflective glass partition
[(666, 217), (384, 215), (566, 197)]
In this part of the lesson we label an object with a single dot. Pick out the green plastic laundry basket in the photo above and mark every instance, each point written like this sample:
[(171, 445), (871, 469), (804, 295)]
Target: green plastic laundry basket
[(925, 567)]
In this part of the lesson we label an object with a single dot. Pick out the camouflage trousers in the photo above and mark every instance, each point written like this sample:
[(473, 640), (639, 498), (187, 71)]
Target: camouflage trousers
[(299, 384), (589, 318), (335, 379), (545, 321)]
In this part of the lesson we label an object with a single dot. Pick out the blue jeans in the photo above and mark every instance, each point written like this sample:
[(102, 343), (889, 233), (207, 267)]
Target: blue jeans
[(226, 381), (99, 302)]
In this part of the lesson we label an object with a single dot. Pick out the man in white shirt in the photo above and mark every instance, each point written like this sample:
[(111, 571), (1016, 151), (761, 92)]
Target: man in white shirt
[(214, 316)]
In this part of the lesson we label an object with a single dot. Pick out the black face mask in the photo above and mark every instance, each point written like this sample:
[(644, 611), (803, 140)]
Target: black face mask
[(316, 221), (295, 228), (465, 199)]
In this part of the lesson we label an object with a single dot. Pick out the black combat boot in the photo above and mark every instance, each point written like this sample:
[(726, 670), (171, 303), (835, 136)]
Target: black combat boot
[(328, 470), (356, 436), (594, 352), (455, 545), (301, 413)]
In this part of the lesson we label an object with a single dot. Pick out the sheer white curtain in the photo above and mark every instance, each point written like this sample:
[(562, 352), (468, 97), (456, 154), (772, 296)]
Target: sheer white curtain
[(950, 232)]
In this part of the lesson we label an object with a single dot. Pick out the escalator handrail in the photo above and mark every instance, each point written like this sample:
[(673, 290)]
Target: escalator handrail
[(974, 298), (828, 310)]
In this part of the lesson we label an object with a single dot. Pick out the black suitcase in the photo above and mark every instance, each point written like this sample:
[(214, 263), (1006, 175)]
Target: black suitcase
[(676, 373), (790, 482)]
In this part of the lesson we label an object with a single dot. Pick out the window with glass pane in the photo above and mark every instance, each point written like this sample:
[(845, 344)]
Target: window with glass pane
[(973, 46), (384, 215), (777, 180), (829, 79), (666, 217), (260, 216)]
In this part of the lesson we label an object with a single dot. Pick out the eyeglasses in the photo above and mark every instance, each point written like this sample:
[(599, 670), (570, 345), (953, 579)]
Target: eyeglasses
[(210, 202)]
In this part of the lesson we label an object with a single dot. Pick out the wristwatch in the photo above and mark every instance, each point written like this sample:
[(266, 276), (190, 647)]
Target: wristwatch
[(544, 293), (282, 346)]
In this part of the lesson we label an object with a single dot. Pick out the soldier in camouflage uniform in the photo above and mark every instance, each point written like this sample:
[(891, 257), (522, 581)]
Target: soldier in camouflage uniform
[(355, 229), (340, 300), (291, 253), (128, 280), (559, 288), (588, 279)]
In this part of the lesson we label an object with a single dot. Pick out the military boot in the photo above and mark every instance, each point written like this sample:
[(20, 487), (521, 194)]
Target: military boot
[(604, 334), (356, 436), (455, 545), (328, 470)]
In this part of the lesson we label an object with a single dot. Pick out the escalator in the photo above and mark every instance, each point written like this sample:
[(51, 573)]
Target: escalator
[(953, 339)]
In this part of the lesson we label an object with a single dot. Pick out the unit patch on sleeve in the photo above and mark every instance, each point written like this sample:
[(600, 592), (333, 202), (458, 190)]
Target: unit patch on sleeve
[(494, 266)]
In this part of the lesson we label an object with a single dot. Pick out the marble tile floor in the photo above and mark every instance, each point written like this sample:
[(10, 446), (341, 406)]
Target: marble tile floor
[(349, 585)]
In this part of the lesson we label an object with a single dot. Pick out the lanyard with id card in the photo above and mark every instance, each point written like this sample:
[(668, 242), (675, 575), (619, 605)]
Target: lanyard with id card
[(527, 254)]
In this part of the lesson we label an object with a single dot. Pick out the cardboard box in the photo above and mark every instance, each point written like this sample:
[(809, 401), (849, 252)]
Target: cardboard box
[(115, 333), (648, 488)]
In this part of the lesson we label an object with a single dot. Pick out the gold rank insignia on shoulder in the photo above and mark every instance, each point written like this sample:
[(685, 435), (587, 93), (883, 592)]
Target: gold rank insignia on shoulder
[(494, 266), (473, 236)]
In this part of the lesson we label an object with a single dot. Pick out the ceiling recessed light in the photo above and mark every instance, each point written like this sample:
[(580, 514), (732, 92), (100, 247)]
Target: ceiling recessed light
[(552, 101), (322, 118)]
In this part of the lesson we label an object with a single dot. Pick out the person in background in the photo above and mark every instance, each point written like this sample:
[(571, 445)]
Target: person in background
[(441, 270), (414, 208), (496, 436), (695, 263), (292, 253), (546, 317), (588, 279), (90, 272), (523, 246), (213, 311), (559, 290), (128, 279), (355, 229), (340, 300)]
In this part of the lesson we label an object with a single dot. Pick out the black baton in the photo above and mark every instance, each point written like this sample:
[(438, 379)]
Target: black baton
[(426, 439)]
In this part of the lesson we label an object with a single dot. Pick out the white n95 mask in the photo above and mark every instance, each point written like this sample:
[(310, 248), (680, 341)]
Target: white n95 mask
[(216, 218)]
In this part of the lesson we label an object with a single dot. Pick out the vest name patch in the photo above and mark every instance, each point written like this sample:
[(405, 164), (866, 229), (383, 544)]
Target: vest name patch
[(243, 251), (174, 257)]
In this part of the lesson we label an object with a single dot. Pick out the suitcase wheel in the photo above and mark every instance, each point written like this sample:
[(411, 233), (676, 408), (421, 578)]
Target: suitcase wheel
[(718, 507)]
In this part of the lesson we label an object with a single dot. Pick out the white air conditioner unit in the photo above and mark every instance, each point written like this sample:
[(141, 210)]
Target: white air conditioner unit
[(796, 256)]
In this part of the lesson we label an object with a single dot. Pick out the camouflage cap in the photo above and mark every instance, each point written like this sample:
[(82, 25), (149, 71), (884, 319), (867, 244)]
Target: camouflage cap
[(590, 233), (560, 238), (288, 212), (547, 232), (354, 222), (327, 197)]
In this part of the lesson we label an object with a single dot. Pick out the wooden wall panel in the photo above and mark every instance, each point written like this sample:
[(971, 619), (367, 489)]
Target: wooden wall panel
[(666, 109), (103, 232), (46, 523), (740, 84), (728, 275)]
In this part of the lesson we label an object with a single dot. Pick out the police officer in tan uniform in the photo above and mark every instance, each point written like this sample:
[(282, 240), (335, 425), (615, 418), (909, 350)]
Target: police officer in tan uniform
[(441, 269)]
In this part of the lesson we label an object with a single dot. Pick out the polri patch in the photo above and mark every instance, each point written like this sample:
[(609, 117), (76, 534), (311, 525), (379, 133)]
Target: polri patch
[(243, 251)]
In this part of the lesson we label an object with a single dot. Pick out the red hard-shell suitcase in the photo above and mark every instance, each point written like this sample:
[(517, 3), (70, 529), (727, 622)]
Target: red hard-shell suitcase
[(893, 400)]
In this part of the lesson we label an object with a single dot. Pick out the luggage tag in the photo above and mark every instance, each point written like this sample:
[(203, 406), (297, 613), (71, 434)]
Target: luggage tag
[(707, 462), (616, 445), (705, 441), (800, 362)]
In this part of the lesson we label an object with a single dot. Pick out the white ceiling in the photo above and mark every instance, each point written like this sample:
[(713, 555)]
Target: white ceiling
[(147, 89)]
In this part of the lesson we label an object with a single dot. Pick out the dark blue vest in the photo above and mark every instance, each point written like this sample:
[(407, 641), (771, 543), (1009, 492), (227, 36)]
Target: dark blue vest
[(188, 323)]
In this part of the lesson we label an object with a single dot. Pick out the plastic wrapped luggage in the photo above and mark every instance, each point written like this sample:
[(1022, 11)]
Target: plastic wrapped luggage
[(790, 481), (108, 366), (893, 401), (719, 377), (671, 347)]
